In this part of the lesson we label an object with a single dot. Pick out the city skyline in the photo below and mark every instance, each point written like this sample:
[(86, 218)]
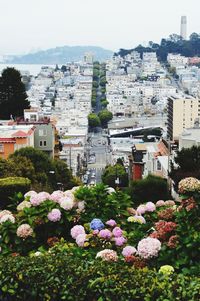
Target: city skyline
[(109, 24)]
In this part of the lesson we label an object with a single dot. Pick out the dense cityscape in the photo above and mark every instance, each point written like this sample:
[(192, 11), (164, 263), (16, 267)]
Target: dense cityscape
[(100, 175)]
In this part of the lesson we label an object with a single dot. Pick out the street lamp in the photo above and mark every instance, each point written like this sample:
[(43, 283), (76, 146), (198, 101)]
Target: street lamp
[(116, 176)]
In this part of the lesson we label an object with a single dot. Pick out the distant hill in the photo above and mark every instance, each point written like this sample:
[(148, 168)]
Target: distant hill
[(61, 55), (174, 44)]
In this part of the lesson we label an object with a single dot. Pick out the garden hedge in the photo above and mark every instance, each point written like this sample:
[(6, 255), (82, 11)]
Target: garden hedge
[(61, 276), (11, 185)]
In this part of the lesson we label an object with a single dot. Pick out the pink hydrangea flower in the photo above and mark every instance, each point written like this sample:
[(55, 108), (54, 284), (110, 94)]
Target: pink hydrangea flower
[(117, 232), (107, 255), (39, 198), (80, 240), (7, 217), (24, 231), (76, 230), (105, 233), (119, 241), (30, 193), (5, 212), (160, 203), (111, 223), (141, 209), (54, 215), (128, 251), (150, 207), (149, 247), (69, 194), (56, 196), (66, 203), (95, 232), (169, 203)]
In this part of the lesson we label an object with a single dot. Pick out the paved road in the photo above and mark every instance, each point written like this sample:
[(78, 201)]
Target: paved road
[(99, 146)]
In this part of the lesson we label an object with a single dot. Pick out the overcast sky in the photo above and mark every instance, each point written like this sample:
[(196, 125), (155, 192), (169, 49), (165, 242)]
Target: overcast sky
[(27, 25)]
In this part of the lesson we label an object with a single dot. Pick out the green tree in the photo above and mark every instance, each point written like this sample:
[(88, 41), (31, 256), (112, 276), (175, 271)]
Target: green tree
[(13, 97), (93, 120), (62, 175), (104, 117), (187, 164), (150, 188), (114, 172)]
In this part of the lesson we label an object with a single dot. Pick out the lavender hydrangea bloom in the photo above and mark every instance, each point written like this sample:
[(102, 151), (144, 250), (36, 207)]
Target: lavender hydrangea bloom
[(150, 207), (106, 234), (54, 215), (111, 223), (76, 230), (117, 232), (128, 251), (96, 224), (119, 241)]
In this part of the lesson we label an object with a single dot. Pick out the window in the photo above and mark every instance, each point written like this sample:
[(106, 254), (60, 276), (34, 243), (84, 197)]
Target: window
[(40, 143), (158, 165), (1, 148), (45, 143), (42, 132)]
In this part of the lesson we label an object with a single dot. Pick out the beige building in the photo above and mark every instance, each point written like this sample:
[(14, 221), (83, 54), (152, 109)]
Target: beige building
[(182, 112)]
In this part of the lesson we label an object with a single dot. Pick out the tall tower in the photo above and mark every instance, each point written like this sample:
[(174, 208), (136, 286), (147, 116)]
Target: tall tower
[(183, 32)]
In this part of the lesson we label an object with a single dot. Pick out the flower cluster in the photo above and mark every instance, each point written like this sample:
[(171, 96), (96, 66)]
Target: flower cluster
[(78, 233), (188, 185), (23, 205), (96, 224), (136, 219), (54, 215), (163, 230), (188, 204), (148, 247), (100, 235), (148, 207), (128, 251), (161, 203), (166, 270), (24, 231), (166, 214), (6, 215), (107, 255)]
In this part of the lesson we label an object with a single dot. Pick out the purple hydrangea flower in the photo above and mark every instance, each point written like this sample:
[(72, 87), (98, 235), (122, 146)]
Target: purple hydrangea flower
[(111, 223), (117, 232), (96, 224), (106, 234), (128, 251), (119, 241)]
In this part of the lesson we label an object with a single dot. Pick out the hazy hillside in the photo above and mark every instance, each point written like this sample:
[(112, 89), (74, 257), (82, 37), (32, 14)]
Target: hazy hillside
[(61, 55)]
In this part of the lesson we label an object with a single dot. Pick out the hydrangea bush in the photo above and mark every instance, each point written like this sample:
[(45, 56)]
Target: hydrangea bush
[(102, 224)]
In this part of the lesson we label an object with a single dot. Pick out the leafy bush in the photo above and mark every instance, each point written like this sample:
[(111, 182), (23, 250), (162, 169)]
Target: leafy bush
[(70, 276), (8, 188), (150, 188), (100, 204)]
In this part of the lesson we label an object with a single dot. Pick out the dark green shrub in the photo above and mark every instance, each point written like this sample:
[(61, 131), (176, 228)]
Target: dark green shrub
[(70, 276), (9, 187), (151, 188)]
